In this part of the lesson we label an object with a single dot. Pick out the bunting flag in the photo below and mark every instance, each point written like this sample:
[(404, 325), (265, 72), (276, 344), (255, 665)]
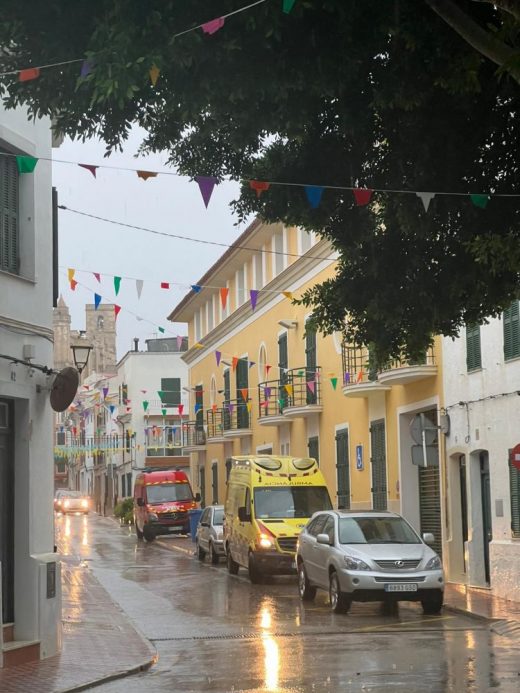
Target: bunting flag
[(112, 408), (90, 168), (480, 200), (251, 364), (311, 385), (146, 174), (264, 404), (288, 5), (334, 382), (212, 27), (259, 186), (165, 285), (73, 285), (98, 276), (117, 284), (267, 392), (249, 406), (179, 339), (244, 392), (213, 408), (314, 193), (254, 297), (129, 409), (267, 369), (346, 378), (145, 404), (426, 198), (288, 294), (198, 407), (218, 355), (289, 389), (116, 310), (161, 394), (161, 330), (26, 164), (139, 287), (206, 185), (86, 68), (70, 274), (196, 288), (105, 392), (163, 411), (223, 296), (362, 196), (28, 74), (230, 406), (180, 408), (97, 301), (359, 377), (234, 362), (154, 74)]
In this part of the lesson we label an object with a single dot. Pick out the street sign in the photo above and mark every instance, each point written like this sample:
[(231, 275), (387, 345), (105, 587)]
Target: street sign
[(515, 456), (359, 458)]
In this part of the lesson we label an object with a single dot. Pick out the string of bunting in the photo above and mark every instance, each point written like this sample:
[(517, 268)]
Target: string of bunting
[(362, 196), (89, 65)]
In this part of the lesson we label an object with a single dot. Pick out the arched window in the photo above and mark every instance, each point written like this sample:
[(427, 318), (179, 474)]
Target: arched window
[(100, 322), (213, 391), (262, 361)]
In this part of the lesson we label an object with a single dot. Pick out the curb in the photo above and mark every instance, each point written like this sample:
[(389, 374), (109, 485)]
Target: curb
[(137, 669), (470, 614)]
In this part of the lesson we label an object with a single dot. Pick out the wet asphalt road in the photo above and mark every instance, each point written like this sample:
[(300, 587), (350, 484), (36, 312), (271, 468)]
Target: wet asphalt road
[(217, 632)]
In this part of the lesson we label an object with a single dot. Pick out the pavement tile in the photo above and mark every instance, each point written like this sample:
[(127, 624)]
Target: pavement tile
[(480, 603), (99, 643)]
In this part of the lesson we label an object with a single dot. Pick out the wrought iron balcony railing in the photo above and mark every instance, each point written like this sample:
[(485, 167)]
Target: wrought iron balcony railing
[(215, 422), (193, 434), (357, 365), (427, 360), (300, 387), (236, 415), (269, 403)]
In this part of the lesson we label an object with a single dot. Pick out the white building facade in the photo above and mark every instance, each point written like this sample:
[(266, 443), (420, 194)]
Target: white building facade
[(481, 395), (30, 585)]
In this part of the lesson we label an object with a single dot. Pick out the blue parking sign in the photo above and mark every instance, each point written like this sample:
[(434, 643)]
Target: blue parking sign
[(359, 457)]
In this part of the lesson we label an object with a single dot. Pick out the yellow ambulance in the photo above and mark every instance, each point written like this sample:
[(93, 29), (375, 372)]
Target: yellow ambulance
[(268, 502)]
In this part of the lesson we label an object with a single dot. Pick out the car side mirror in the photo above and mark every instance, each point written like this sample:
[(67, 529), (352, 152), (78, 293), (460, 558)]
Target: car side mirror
[(197, 497), (140, 502), (242, 514), (323, 539), (428, 538)]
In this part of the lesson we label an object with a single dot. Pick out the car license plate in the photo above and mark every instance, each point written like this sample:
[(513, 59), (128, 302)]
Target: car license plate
[(401, 587), (174, 529)]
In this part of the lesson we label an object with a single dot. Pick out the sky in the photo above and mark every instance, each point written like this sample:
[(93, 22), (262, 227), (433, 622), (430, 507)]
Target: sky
[(170, 204)]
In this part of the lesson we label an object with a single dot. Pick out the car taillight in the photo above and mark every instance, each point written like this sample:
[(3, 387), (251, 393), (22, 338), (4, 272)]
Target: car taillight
[(66, 503)]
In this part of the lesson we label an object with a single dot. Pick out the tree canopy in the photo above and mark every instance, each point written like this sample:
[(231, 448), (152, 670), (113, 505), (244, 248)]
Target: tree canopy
[(398, 96)]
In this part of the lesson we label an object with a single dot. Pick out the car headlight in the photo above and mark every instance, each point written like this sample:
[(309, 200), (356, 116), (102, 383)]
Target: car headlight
[(264, 542), (66, 503), (153, 516), (434, 563), (84, 503), (355, 563)]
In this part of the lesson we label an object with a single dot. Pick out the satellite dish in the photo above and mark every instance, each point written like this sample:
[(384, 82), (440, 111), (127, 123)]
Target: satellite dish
[(419, 424), (64, 388)]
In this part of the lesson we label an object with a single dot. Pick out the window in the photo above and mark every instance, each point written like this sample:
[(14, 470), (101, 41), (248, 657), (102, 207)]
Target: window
[(278, 257), (100, 322), (213, 391), (60, 467), (514, 488), (60, 438), (314, 528), (9, 228), (241, 286), (473, 354), (210, 312), (258, 270), (262, 362), (314, 448), (171, 391), (328, 528), (511, 332)]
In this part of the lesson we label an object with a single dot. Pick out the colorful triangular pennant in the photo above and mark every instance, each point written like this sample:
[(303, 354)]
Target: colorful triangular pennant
[(426, 198), (206, 185), (117, 284), (26, 164), (259, 186), (362, 196), (213, 26), (314, 193), (97, 301), (254, 297)]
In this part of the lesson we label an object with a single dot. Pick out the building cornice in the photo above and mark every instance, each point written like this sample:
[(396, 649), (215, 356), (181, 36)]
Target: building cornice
[(27, 327), (285, 281)]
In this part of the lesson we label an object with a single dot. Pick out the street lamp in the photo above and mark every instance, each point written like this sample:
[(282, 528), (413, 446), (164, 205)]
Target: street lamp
[(81, 352)]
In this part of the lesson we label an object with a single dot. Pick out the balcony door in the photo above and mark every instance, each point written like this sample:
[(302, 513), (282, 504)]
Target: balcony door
[(227, 398), (283, 365), (310, 363), (242, 381)]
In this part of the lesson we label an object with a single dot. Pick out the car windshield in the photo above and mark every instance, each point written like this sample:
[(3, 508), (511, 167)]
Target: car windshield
[(290, 501), (218, 516), (70, 494), (376, 530), (166, 493)]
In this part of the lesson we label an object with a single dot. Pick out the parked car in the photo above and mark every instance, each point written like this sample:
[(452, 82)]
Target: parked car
[(368, 556), (66, 501), (210, 539)]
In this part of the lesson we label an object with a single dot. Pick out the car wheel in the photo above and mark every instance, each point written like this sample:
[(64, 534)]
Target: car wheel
[(255, 575), (138, 532), (201, 554), (148, 534), (432, 604), (306, 590), (213, 557), (232, 565), (339, 601)]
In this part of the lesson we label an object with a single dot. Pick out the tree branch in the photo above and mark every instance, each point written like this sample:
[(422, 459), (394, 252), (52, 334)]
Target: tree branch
[(481, 40)]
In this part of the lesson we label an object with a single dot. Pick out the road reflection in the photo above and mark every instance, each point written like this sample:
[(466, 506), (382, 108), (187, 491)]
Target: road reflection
[(271, 649)]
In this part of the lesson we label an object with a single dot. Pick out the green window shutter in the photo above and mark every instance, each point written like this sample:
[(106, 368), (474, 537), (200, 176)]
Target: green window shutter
[(473, 352), (171, 389), (511, 331), (514, 489), (9, 240)]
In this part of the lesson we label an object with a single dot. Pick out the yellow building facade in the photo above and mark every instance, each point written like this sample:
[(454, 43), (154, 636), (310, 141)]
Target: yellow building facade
[(259, 383)]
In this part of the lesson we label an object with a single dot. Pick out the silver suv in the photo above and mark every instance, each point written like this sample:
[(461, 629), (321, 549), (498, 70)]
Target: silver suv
[(368, 556), (209, 538)]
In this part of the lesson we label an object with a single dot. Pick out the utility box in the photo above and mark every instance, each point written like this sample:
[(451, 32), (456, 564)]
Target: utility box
[(49, 603)]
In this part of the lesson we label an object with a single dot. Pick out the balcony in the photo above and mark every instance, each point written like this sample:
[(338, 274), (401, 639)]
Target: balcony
[(360, 378), (300, 392), (236, 419), (215, 425), (270, 410), (194, 437), (403, 371)]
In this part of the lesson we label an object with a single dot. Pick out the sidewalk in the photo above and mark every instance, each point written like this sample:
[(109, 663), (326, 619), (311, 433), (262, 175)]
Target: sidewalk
[(480, 603), (99, 643)]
